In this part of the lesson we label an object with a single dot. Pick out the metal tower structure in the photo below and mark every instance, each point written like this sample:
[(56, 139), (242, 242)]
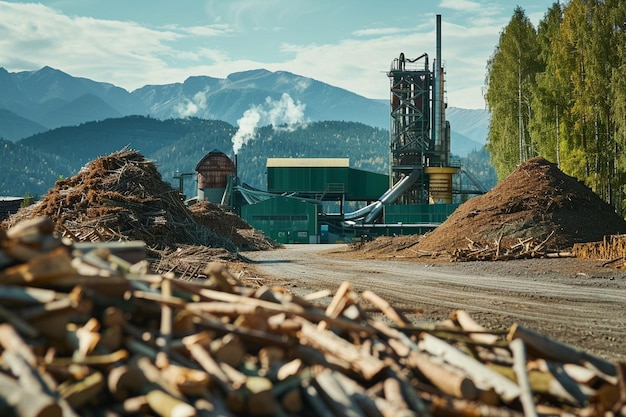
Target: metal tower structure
[(420, 134)]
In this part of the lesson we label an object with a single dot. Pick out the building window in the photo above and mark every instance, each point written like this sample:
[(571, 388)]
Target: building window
[(281, 217)]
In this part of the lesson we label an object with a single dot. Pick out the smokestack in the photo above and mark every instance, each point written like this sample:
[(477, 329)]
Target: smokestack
[(437, 131), (438, 41)]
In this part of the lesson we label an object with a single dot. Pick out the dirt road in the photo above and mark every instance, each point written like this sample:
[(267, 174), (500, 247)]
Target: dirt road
[(570, 300)]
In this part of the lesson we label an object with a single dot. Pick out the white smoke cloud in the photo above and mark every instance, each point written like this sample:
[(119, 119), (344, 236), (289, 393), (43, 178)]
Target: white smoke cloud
[(247, 125), (192, 107), (273, 112)]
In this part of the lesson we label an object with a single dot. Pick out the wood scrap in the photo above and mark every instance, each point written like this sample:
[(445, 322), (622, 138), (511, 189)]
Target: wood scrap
[(122, 197), (175, 347)]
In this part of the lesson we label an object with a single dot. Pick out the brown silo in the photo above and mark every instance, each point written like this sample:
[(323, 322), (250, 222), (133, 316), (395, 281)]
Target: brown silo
[(214, 172)]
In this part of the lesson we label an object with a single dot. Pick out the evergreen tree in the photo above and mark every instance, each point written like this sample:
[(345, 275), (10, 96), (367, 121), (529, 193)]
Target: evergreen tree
[(571, 54), (601, 60)]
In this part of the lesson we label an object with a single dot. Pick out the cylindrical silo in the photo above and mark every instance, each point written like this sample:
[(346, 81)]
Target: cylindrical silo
[(440, 183), (214, 170)]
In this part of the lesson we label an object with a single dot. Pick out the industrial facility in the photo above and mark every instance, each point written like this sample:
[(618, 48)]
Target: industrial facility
[(323, 200)]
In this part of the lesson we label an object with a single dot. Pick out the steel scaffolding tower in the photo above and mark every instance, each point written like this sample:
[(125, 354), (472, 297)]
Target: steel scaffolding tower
[(420, 135)]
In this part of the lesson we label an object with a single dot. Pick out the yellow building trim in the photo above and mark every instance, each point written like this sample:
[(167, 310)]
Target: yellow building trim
[(308, 162)]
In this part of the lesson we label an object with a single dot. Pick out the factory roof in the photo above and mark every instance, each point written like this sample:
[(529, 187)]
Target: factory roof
[(308, 162)]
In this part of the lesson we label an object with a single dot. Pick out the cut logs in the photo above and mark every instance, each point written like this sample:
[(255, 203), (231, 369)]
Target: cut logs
[(82, 333)]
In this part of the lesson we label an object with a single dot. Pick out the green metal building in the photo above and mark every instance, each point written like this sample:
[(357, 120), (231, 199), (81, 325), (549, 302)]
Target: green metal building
[(296, 190), (285, 219), (324, 179), (295, 207)]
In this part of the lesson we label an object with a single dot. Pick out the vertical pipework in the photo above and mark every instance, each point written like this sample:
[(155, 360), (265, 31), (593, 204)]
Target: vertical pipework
[(438, 42), (437, 93)]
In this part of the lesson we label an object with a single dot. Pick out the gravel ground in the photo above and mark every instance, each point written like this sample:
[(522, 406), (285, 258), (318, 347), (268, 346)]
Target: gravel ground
[(570, 300)]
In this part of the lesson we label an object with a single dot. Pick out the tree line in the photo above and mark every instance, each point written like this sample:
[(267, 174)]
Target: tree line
[(559, 91), (32, 165)]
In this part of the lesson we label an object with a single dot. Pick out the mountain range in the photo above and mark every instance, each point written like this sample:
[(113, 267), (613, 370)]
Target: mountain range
[(32, 102)]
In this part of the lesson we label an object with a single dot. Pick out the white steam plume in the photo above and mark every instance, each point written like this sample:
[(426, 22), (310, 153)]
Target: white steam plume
[(192, 107), (272, 112), (247, 125)]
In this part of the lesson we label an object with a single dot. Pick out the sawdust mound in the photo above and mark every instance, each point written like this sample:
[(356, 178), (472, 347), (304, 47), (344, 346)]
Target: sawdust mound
[(536, 200), (123, 197)]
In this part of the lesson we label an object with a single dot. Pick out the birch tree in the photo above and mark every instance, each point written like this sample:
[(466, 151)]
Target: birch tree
[(510, 74)]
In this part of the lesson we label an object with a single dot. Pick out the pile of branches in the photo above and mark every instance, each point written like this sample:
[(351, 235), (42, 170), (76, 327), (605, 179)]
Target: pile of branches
[(230, 226), (496, 251), (121, 197), (87, 333), (188, 261)]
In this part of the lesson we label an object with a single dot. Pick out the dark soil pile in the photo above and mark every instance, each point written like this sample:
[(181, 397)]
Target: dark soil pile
[(537, 201), (123, 197)]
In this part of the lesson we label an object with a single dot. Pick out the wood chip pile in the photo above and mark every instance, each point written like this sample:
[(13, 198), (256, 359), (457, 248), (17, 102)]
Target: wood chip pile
[(122, 197), (85, 333), (536, 211)]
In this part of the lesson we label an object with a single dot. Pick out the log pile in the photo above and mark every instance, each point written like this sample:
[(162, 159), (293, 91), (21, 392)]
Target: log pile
[(84, 332), (612, 250)]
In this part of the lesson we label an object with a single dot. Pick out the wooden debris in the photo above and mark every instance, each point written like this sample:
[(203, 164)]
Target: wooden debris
[(100, 337), (122, 199), (497, 251), (611, 250)]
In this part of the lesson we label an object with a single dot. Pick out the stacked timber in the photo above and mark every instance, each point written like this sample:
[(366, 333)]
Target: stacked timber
[(85, 332), (612, 250)]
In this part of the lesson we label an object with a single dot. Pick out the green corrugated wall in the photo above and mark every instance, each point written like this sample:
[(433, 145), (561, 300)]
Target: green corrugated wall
[(418, 213), (358, 185), (284, 219)]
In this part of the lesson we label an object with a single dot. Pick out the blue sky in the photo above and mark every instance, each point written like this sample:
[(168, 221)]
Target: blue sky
[(345, 43)]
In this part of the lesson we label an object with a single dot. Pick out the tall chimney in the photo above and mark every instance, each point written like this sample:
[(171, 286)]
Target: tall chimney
[(437, 92)]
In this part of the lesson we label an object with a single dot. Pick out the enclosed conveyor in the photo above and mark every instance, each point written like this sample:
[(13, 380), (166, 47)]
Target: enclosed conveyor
[(372, 212)]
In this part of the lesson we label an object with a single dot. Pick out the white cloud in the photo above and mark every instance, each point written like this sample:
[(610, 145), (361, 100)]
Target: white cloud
[(462, 5), (131, 56), (361, 66), (209, 31), (378, 32), (104, 50)]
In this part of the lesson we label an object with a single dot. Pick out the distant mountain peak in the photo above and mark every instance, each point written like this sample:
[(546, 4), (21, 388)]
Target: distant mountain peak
[(242, 75), (46, 72), (52, 98), (47, 68)]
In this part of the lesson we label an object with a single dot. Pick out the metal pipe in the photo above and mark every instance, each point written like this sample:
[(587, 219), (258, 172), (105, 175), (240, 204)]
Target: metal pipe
[(437, 93), (372, 211)]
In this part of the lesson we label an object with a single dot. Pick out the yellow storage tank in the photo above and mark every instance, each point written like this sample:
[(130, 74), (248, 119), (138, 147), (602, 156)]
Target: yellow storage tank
[(440, 184)]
